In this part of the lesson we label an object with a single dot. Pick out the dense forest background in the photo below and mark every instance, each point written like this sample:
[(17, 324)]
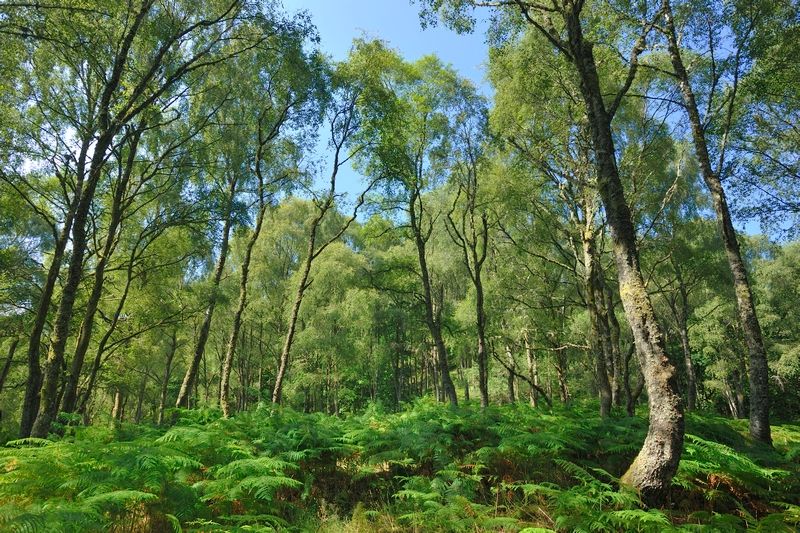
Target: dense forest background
[(180, 229)]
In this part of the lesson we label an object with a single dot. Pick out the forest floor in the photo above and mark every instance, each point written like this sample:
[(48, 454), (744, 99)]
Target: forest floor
[(427, 468)]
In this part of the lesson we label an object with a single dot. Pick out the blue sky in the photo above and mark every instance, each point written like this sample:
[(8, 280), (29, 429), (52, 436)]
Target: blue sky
[(396, 22)]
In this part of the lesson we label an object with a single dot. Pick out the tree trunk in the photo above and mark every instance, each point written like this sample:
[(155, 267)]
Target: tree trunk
[(510, 381), (63, 319), (190, 377), (277, 391), (140, 399), (597, 337), (31, 401), (473, 239), (70, 397), (533, 370), (691, 379), (119, 406), (162, 401), (614, 338), (759, 369), (432, 313), (227, 365), (561, 374), (33, 384), (12, 348), (652, 470), (483, 358)]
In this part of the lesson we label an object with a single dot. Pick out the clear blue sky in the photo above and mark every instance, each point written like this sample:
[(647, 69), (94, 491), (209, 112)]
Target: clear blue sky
[(396, 22)]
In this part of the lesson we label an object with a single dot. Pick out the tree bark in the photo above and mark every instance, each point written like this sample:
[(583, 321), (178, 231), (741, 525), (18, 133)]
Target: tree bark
[(533, 370), (70, 397), (119, 406), (614, 338), (597, 337), (101, 346), (162, 401), (748, 318), (681, 314), (12, 348), (655, 465), (483, 357), (432, 314), (510, 381), (33, 384), (62, 322), (140, 399), (227, 365), (283, 365), (561, 374), (472, 236), (190, 377)]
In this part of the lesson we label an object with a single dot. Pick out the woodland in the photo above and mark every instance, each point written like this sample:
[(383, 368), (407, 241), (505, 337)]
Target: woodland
[(245, 286)]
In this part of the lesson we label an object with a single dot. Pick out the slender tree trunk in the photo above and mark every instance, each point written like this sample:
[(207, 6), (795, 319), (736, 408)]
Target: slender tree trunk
[(596, 335), (735, 399), (614, 338), (657, 461), (681, 312), (173, 348), (227, 365), (631, 395), (277, 391), (117, 411), (70, 397), (483, 359), (510, 378), (101, 345), (12, 348), (561, 374), (432, 314), (738, 384), (465, 378), (140, 399), (759, 369), (434, 374), (63, 319), (395, 358), (31, 401), (473, 239), (533, 369), (190, 377), (691, 378)]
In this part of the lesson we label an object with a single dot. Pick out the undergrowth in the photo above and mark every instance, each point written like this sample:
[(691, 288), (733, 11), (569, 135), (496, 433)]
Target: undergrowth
[(428, 468)]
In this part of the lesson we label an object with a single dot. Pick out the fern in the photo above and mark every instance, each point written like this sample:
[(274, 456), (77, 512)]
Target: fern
[(430, 467)]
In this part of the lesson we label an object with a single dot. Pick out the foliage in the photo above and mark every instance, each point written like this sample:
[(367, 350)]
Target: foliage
[(509, 468)]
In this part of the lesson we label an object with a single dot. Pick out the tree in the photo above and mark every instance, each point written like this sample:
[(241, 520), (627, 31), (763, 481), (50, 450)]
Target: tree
[(344, 121), (759, 370), (563, 27), (283, 86), (467, 221), (138, 82), (411, 151)]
